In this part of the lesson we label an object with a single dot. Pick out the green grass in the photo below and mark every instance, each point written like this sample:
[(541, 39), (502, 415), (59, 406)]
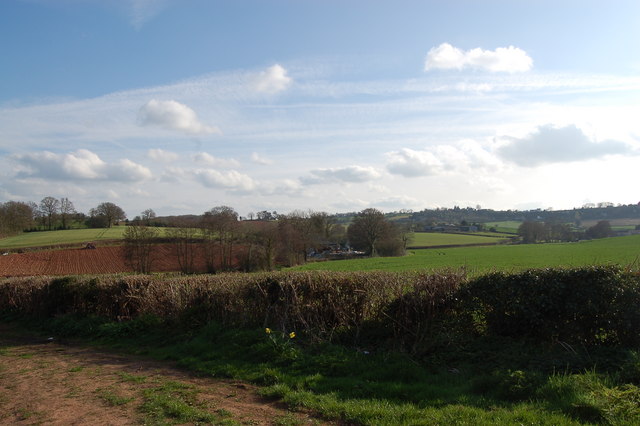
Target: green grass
[(466, 381), (69, 236), (429, 239), (508, 226), (618, 250)]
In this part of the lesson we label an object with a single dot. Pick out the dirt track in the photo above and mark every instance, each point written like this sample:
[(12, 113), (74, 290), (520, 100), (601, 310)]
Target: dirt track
[(44, 382)]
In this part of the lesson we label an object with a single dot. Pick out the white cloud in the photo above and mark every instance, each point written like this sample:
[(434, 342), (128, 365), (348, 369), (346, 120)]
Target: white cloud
[(411, 163), (207, 159), (162, 156), (273, 80), (174, 116), (80, 165), (503, 59), (550, 144), (228, 180), (258, 159), (462, 156), (351, 174)]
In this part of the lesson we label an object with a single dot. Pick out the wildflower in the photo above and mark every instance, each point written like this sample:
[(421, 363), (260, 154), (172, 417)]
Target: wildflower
[(267, 330), (292, 335)]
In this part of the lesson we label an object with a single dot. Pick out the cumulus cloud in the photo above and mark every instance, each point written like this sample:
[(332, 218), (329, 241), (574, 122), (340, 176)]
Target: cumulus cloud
[(273, 80), (162, 156), (207, 159), (503, 59), (467, 154), (550, 144), (79, 165), (258, 159), (349, 174), (174, 116), (227, 180)]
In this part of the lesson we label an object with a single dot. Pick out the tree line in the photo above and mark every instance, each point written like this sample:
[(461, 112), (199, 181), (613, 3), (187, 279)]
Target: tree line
[(52, 214), (225, 242), (536, 232)]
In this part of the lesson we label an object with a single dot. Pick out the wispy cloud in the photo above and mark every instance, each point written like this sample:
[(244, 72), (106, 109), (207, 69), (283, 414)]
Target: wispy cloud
[(142, 11), (349, 174), (261, 160), (162, 156), (173, 115), (503, 59), (207, 159)]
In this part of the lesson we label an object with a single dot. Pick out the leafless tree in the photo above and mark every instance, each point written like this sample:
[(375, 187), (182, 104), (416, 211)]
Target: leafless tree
[(49, 209), (16, 216), (67, 210), (139, 245), (111, 213), (184, 242), (220, 230), (147, 216), (370, 231)]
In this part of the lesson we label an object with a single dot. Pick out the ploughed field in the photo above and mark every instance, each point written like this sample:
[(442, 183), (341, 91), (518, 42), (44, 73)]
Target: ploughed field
[(102, 260)]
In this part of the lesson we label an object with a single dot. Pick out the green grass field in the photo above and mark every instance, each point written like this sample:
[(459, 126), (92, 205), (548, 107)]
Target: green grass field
[(510, 226), (52, 238), (619, 250), (430, 239)]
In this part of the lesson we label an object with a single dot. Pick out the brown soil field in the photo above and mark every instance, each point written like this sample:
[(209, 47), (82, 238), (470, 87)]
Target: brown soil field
[(43, 381), (102, 260)]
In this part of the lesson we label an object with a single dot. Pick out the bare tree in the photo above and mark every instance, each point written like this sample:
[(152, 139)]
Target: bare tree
[(139, 242), (49, 209), (371, 230), (184, 242), (147, 216), (220, 228), (110, 212), (16, 216), (67, 210)]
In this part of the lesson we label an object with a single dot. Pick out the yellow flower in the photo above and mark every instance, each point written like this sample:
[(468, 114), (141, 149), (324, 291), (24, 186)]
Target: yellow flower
[(292, 335), (267, 330)]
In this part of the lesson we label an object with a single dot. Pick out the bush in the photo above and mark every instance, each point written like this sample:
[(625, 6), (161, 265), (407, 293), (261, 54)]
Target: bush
[(589, 305)]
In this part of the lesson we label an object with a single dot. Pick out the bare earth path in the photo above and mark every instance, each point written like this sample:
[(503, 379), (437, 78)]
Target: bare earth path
[(45, 382)]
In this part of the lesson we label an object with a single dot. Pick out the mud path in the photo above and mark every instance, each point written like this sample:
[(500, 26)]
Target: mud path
[(45, 382)]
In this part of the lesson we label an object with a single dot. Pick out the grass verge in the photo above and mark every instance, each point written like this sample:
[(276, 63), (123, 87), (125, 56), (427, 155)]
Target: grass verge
[(459, 380)]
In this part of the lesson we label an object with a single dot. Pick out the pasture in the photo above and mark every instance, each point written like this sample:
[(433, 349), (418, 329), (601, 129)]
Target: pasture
[(508, 226), (436, 239), (618, 250), (68, 236)]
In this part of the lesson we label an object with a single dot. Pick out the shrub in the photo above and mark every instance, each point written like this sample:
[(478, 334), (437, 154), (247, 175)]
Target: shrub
[(587, 305)]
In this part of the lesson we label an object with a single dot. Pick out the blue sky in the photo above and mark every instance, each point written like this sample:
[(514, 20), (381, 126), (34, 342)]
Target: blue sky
[(183, 105)]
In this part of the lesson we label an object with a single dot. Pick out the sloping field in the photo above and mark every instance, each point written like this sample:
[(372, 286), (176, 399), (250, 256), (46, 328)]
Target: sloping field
[(619, 250), (102, 260), (69, 236), (440, 239)]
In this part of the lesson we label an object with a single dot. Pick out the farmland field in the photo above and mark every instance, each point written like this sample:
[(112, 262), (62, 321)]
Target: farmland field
[(70, 236), (619, 250), (509, 226), (430, 239)]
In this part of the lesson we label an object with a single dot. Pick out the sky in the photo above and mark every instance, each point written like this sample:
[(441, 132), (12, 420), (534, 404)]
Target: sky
[(330, 105)]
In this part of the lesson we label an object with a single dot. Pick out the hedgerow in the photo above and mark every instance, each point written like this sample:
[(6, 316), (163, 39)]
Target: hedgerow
[(593, 305)]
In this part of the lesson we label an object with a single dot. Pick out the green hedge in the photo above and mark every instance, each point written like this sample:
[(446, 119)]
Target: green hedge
[(587, 305)]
